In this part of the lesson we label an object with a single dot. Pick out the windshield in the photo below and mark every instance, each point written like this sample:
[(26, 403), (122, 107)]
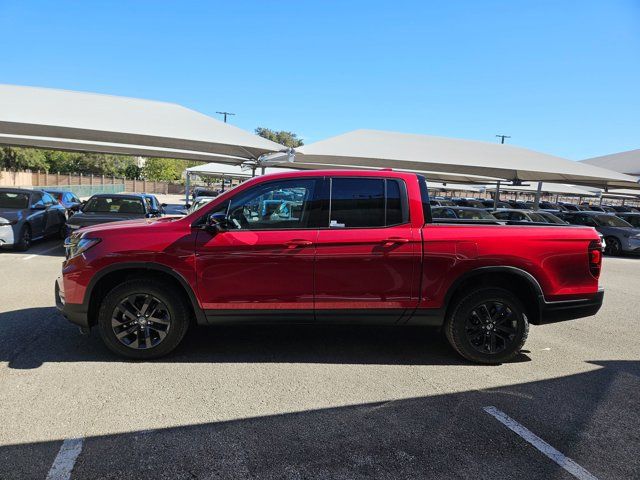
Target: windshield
[(551, 218), (474, 215), (14, 200), (610, 221), (114, 205), (536, 217)]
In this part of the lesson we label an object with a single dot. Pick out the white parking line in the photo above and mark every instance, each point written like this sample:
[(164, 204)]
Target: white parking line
[(565, 462), (66, 459), (41, 252)]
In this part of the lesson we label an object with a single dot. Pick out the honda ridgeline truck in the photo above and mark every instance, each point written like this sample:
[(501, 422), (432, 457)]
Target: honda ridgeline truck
[(324, 247)]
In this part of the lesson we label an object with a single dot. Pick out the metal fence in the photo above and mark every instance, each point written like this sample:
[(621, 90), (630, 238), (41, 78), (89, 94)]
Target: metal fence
[(83, 190)]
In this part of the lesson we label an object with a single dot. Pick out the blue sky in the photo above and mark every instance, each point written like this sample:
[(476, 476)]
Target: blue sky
[(558, 76)]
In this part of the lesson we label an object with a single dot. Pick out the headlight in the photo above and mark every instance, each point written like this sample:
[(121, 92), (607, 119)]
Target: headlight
[(75, 246)]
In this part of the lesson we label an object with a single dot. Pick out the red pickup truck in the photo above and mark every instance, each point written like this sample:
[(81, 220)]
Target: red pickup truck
[(325, 247)]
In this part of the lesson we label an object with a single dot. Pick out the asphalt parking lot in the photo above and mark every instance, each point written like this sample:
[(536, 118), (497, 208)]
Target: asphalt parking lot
[(276, 402)]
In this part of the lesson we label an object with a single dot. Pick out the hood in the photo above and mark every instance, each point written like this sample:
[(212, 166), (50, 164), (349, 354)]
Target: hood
[(112, 225), (83, 219)]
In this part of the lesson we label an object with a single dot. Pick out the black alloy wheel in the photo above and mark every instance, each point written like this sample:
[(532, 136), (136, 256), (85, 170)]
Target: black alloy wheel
[(24, 239), (491, 327), (144, 318), (487, 325), (140, 321), (614, 247)]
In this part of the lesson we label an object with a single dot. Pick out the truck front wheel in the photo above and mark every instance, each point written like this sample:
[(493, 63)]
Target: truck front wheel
[(487, 325), (143, 319)]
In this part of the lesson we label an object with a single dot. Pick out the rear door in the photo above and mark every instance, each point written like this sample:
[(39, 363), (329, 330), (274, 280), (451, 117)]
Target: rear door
[(368, 256)]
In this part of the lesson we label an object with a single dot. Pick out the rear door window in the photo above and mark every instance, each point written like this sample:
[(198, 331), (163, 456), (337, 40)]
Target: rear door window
[(367, 203)]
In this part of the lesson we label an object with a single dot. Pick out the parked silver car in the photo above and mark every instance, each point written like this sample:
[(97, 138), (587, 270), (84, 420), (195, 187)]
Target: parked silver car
[(27, 215)]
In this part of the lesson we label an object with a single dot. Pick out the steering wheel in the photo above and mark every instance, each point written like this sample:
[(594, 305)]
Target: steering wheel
[(238, 218)]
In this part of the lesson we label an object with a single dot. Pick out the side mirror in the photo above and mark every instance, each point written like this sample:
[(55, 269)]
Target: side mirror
[(217, 222)]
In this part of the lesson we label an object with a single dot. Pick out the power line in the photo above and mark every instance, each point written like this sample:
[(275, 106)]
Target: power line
[(502, 137), (225, 115)]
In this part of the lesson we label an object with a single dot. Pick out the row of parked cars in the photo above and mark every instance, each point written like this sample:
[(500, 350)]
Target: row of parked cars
[(29, 215), (619, 226)]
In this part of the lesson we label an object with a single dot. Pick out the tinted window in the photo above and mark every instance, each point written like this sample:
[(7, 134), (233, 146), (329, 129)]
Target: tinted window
[(14, 200), (36, 199), (551, 218), (367, 202), (275, 205), (501, 215), (633, 220), (357, 202), (473, 214), (610, 221), (114, 205), (443, 213)]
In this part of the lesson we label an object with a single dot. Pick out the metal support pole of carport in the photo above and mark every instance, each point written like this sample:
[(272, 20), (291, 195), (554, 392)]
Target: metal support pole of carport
[(536, 202), (496, 199), (187, 184)]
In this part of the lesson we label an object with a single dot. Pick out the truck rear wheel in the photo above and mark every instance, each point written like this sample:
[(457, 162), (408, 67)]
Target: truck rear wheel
[(143, 319), (488, 325)]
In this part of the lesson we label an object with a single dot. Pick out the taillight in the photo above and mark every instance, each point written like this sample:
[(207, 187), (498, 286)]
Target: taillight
[(595, 257)]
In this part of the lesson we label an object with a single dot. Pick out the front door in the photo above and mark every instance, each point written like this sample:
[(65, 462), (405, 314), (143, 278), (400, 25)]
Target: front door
[(368, 259), (261, 267)]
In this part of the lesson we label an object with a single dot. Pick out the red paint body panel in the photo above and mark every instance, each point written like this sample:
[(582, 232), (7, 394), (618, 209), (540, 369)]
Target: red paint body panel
[(338, 268)]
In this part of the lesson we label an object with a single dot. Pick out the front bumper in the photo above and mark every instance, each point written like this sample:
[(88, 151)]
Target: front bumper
[(552, 312), (7, 236), (632, 246), (75, 313)]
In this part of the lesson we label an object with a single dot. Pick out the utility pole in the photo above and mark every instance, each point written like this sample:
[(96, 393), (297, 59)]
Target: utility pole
[(225, 115), (502, 137)]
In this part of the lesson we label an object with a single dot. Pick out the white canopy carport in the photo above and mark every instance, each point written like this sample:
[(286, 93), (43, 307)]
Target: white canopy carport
[(67, 120), (550, 188), (623, 162), (380, 149), (455, 187), (225, 171), (437, 176)]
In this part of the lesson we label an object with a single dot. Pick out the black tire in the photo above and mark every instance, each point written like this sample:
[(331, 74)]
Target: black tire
[(486, 318), (174, 311), (614, 247), (62, 233), (24, 239)]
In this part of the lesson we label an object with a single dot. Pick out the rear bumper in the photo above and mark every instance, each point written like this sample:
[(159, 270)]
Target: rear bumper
[(75, 313), (551, 312)]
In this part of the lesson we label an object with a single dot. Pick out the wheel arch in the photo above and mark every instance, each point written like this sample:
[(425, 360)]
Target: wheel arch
[(520, 282), (104, 280)]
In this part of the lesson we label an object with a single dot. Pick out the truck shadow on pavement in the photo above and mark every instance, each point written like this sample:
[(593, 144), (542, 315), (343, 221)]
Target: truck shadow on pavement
[(33, 336), (591, 417)]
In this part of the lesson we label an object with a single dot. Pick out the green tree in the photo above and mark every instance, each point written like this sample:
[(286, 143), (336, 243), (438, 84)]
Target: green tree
[(288, 139), (166, 169), (15, 158), (133, 172)]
